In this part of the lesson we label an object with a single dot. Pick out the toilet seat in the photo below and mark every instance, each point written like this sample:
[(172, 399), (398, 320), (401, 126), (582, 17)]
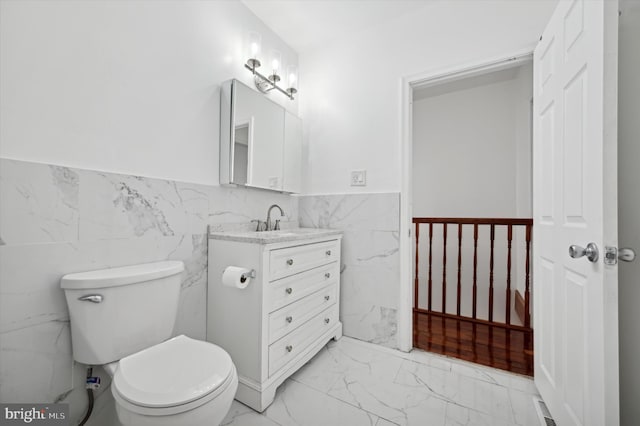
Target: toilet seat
[(172, 377)]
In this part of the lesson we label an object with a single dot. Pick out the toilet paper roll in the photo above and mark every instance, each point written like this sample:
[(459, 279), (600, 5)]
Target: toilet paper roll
[(235, 276)]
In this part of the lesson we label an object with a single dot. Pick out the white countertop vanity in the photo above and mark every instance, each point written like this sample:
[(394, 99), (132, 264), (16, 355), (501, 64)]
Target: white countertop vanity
[(285, 314)]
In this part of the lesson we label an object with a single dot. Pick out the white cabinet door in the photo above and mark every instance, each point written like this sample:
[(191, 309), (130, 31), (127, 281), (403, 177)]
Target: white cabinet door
[(575, 189), (292, 153)]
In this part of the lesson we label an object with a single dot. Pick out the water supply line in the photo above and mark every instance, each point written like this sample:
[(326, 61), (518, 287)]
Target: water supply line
[(90, 384)]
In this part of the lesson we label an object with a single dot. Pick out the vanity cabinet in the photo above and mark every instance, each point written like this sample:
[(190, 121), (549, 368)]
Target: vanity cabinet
[(286, 314)]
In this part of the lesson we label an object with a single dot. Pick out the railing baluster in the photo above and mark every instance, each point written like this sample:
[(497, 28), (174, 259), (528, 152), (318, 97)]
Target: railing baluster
[(475, 270), (493, 236), (527, 314), (415, 289), (459, 268), (429, 291), (507, 314), (444, 268), (477, 223), (416, 280)]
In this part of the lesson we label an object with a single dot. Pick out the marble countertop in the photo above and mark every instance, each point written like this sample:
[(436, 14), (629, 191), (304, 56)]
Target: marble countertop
[(270, 237)]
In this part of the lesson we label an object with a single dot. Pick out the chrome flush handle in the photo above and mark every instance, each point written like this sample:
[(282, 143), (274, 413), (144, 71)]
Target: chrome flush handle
[(93, 298)]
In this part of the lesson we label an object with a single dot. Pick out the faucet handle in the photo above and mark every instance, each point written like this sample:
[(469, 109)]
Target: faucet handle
[(277, 227), (258, 224)]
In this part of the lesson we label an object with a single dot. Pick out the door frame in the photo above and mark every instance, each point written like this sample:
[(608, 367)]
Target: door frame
[(407, 86)]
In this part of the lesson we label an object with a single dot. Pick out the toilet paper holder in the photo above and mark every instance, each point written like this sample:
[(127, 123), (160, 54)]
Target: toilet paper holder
[(246, 275)]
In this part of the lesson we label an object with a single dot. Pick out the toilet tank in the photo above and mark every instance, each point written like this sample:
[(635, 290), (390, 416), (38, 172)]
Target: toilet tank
[(119, 311)]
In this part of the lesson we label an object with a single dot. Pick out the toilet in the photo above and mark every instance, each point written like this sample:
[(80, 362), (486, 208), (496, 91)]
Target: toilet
[(122, 319)]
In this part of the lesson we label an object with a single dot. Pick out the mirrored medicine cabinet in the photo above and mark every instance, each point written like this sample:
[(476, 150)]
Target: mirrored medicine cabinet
[(260, 142)]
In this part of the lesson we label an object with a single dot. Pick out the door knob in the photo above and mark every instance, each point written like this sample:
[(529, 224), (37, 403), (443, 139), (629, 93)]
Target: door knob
[(591, 252)]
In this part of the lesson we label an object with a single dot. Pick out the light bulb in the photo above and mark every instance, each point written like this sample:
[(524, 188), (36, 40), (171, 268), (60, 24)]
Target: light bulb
[(254, 42), (276, 61), (292, 76)]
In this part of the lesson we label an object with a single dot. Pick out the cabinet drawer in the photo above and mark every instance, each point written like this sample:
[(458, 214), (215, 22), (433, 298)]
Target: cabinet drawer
[(291, 260), (287, 290), (294, 343), (287, 319)]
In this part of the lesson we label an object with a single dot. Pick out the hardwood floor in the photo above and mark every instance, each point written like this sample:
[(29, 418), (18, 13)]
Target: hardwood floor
[(485, 344)]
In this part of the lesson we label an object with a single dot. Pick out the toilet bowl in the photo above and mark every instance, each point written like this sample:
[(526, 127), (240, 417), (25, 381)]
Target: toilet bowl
[(122, 319), (178, 382)]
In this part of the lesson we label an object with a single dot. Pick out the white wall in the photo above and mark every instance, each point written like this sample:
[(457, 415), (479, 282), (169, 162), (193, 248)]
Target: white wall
[(128, 87), (350, 90), (629, 210), (471, 158), (466, 151), (122, 86)]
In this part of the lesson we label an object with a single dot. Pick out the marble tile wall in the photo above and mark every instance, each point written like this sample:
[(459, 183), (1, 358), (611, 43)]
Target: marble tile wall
[(370, 259), (57, 220)]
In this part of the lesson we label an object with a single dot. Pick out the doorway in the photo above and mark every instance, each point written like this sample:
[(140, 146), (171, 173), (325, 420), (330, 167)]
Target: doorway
[(466, 75), (472, 217)]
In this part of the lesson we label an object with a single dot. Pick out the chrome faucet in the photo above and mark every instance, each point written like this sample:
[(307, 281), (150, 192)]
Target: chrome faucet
[(271, 227)]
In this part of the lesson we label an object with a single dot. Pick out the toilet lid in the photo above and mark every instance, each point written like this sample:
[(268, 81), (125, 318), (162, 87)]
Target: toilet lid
[(174, 372)]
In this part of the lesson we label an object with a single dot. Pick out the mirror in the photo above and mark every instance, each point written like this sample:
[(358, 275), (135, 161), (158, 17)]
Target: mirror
[(260, 142), (241, 152)]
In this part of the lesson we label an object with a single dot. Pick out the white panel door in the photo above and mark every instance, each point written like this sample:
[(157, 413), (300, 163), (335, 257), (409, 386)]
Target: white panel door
[(575, 189)]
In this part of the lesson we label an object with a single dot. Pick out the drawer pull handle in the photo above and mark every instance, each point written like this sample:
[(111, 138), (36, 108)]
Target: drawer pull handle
[(289, 348), (327, 297), (289, 319), (327, 275), (289, 262), (328, 252), (326, 320), (289, 290)]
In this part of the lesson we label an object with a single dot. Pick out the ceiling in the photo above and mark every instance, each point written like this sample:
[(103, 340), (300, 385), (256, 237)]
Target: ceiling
[(305, 24), (491, 77)]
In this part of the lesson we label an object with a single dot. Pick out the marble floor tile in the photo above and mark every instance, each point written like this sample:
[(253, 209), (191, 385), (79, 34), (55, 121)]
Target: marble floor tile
[(424, 386), (348, 359), (523, 408), (352, 383), (240, 415), (297, 404), (384, 422)]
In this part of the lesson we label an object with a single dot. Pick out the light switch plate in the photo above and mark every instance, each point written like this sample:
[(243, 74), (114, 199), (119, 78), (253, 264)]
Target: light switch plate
[(358, 178)]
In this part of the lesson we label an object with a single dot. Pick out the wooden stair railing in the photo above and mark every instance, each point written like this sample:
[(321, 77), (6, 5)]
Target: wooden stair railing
[(522, 307)]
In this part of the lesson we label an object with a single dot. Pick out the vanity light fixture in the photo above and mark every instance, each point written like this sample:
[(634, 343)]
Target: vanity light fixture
[(266, 84)]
